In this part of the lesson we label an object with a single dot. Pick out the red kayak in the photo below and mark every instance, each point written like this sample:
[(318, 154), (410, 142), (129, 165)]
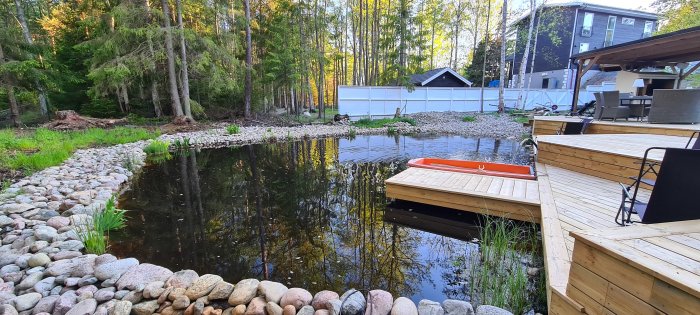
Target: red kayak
[(475, 167)]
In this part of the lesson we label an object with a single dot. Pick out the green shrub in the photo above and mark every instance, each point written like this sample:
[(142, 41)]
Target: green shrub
[(93, 234), (233, 129), (469, 119), (391, 130), (157, 147), (352, 133)]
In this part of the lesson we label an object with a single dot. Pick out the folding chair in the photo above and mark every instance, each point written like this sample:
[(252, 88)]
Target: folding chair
[(673, 194)]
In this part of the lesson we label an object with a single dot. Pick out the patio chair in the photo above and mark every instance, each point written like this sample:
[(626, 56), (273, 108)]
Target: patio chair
[(696, 145), (675, 107), (673, 194), (575, 128), (609, 107)]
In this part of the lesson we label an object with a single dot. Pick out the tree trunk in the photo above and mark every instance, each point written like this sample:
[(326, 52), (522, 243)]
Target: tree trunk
[(534, 54), (43, 99), (183, 64), (172, 77), (248, 61), (526, 54), (501, 83), (12, 100), (486, 50), (403, 11)]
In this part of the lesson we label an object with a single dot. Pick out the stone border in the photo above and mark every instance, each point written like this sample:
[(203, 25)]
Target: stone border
[(42, 269)]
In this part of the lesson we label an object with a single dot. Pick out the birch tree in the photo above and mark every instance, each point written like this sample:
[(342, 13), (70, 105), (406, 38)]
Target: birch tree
[(43, 99), (170, 53), (526, 53), (184, 77), (501, 83)]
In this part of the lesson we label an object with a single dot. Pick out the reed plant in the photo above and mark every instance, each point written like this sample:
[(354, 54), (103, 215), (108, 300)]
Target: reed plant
[(157, 147), (95, 234), (499, 274), (233, 129)]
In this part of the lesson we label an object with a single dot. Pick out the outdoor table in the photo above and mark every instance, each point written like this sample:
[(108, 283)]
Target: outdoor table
[(638, 105)]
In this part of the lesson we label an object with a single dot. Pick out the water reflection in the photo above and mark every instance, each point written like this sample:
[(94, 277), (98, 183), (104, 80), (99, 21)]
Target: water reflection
[(309, 214)]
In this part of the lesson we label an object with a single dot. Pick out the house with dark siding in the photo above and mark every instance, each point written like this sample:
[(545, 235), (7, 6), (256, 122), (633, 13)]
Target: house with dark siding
[(567, 29), (440, 77)]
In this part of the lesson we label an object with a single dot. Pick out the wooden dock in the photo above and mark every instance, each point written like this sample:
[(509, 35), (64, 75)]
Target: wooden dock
[(614, 157), (506, 197), (549, 125), (592, 265)]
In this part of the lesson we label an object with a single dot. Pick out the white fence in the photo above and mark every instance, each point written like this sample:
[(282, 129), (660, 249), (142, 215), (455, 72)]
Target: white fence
[(383, 100)]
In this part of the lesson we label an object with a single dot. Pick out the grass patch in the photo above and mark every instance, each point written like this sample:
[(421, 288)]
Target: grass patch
[(182, 144), (521, 119), (110, 218), (44, 148), (469, 119), (157, 147), (379, 123), (500, 276), (233, 129)]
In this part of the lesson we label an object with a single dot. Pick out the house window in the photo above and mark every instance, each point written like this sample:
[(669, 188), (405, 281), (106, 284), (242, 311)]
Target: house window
[(627, 21), (587, 24), (648, 28), (545, 83), (610, 32), (582, 47)]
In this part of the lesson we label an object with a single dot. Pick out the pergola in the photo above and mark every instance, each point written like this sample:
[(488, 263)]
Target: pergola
[(673, 49)]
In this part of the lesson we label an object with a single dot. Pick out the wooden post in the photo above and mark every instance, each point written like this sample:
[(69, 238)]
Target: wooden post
[(577, 84)]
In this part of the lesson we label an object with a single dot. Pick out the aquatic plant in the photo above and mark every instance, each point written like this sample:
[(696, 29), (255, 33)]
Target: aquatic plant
[(94, 240), (94, 234), (157, 147), (110, 218), (500, 275), (469, 119), (391, 130), (233, 129), (352, 133), (182, 144)]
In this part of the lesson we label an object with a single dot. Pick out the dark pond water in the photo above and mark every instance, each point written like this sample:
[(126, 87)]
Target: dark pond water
[(309, 214)]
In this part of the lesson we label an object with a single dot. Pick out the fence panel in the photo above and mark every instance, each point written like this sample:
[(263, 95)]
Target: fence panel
[(384, 100)]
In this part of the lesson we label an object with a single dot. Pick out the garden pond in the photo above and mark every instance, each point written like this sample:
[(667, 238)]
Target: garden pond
[(311, 214)]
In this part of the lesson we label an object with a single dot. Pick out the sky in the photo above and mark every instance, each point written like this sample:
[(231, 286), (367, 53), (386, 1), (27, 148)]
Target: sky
[(644, 5)]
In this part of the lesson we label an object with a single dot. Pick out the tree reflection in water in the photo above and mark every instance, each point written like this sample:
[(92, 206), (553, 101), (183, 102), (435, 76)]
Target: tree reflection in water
[(292, 212)]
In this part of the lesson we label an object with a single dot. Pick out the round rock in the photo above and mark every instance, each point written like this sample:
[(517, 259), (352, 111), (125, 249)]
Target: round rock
[(272, 291), (404, 306), (297, 297), (379, 302), (243, 292)]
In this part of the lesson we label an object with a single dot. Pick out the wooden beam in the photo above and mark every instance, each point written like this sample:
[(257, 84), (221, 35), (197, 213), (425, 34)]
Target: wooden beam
[(689, 72)]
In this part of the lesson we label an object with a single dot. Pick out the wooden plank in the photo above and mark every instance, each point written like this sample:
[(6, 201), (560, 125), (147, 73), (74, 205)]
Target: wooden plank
[(476, 204), (679, 261), (621, 302), (591, 306), (587, 281), (557, 259), (613, 270), (560, 304), (436, 182), (672, 300)]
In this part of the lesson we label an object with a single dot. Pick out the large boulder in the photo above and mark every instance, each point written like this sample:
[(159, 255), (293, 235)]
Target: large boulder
[(428, 307), (114, 269), (272, 291), (404, 306), (297, 297), (321, 298), (26, 301), (243, 292), (202, 286), (353, 303), (379, 302), (491, 310), (141, 275), (182, 279), (456, 307)]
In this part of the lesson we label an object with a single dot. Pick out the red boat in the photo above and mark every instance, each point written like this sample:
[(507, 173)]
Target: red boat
[(475, 167)]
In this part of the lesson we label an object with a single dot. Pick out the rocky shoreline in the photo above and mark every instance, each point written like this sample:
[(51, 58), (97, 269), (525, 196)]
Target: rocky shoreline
[(43, 271)]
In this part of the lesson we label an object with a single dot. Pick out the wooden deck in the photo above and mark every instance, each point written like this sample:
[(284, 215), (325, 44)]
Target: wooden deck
[(549, 125), (506, 197), (615, 157), (592, 265), (645, 269)]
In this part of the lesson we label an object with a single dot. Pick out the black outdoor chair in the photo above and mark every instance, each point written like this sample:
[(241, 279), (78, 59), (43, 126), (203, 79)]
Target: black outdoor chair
[(575, 128), (696, 145), (673, 194)]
